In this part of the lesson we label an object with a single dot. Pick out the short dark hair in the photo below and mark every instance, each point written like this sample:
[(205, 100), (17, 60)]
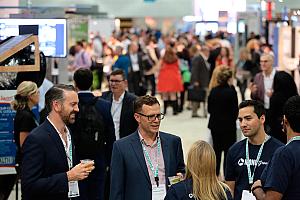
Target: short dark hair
[(118, 72), (144, 100), (258, 106), (291, 110), (79, 43), (56, 93), (83, 79)]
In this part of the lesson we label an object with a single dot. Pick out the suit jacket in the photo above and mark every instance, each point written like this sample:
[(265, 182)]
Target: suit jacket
[(200, 72), (140, 63), (103, 107), (222, 104), (260, 93), (129, 174), (128, 124), (44, 165)]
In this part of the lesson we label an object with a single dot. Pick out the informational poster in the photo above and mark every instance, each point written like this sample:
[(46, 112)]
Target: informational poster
[(7, 145)]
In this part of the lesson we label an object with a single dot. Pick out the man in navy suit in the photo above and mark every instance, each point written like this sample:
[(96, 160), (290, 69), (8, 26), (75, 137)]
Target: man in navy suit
[(122, 104), (143, 161), (48, 167), (93, 186)]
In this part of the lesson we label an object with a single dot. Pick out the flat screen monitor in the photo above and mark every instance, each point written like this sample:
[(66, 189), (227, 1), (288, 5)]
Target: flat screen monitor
[(52, 33)]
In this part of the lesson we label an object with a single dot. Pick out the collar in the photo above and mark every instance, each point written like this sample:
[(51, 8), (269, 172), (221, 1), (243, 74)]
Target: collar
[(66, 128), (84, 91), (271, 75), (120, 98), (202, 54), (142, 140)]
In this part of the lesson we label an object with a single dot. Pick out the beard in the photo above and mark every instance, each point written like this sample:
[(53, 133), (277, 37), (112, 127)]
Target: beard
[(67, 118)]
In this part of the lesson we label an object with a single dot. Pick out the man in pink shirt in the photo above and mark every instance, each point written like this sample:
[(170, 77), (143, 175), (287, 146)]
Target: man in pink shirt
[(143, 161)]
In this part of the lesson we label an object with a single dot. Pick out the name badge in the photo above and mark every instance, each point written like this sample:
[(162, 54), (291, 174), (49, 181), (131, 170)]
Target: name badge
[(246, 195), (73, 189), (158, 193)]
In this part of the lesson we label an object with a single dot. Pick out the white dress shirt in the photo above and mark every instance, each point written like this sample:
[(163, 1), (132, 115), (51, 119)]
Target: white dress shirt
[(116, 108)]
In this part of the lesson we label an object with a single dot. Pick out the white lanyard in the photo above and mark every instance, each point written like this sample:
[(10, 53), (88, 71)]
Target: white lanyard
[(154, 171), (69, 150), (293, 139), (251, 176)]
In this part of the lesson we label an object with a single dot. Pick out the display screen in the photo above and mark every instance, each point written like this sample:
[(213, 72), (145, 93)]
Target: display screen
[(202, 28), (52, 33)]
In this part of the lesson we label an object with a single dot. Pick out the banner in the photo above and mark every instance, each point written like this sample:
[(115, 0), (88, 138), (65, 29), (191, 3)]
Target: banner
[(7, 145)]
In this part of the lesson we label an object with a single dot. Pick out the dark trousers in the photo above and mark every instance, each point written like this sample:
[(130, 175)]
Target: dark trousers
[(135, 84), (7, 183), (92, 188), (151, 79), (243, 86), (222, 141), (182, 96)]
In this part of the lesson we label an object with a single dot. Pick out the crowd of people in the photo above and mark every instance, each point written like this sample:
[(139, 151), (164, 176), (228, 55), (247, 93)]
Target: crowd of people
[(129, 157)]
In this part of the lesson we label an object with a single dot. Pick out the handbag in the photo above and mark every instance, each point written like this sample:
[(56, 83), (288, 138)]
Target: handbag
[(197, 94)]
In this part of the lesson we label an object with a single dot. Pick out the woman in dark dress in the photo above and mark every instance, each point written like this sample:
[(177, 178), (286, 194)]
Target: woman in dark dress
[(223, 109), (27, 96), (284, 87), (201, 181)]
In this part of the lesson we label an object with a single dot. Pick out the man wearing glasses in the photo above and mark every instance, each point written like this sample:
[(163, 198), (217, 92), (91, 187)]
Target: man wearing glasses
[(122, 104), (143, 161)]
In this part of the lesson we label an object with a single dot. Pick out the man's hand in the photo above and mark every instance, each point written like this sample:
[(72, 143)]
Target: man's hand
[(256, 184), (80, 171), (253, 87), (196, 83), (257, 190), (180, 175)]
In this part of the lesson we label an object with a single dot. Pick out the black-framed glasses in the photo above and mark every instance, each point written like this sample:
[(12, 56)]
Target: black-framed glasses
[(153, 117), (115, 81)]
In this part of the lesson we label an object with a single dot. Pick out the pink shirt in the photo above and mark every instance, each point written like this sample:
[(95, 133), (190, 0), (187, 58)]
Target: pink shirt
[(152, 151)]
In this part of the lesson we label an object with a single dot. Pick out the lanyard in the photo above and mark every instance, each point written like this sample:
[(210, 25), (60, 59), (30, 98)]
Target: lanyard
[(293, 139), (154, 171), (69, 141), (69, 151), (256, 161)]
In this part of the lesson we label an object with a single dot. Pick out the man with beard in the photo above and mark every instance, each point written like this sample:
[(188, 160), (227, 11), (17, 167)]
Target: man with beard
[(48, 167), (247, 159)]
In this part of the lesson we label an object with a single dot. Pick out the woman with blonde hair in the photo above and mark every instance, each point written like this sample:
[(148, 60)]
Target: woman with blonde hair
[(222, 105), (25, 121), (200, 181)]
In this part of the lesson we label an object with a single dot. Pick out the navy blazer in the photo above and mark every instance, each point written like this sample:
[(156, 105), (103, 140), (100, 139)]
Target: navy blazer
[(103, 107), (44, 165), (128, 124), (129, 174)]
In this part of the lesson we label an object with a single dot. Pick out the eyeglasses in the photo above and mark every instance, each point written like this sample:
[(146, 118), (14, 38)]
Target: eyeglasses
[(115, 81), (153, 117)]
